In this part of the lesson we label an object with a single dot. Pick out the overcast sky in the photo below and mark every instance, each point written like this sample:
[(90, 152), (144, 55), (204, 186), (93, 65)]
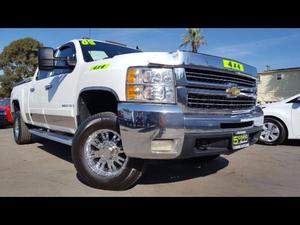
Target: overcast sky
[(278, 48)]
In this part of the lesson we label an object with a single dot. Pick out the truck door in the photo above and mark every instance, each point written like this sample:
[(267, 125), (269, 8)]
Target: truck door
[(296, 117), (60, 91), (36, 90)]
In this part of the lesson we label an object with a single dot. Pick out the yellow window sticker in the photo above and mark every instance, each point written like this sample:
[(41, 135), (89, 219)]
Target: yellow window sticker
[(233, 65), (87, 42), (99, 67)]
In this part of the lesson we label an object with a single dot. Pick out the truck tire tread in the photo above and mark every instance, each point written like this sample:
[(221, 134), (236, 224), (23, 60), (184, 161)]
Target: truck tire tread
[(24, 136)]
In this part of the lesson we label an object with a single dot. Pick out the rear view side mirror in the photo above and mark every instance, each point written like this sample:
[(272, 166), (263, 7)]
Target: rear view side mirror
[(46, 58)]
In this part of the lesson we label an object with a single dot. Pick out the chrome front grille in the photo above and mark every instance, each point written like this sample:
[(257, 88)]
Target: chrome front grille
[(203, 101), (216, 77), (207, 91)]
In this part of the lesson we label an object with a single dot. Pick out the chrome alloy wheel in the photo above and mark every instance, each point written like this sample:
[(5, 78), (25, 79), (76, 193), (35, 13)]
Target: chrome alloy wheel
[(16, 128), (270, 132), (104, 153)]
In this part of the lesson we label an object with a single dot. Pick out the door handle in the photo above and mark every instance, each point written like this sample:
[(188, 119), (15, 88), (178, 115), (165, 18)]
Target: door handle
[(48, 86), (32, 89)]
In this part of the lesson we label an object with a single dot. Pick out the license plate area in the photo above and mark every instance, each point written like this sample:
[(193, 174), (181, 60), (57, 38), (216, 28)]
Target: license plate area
[(240, 140)]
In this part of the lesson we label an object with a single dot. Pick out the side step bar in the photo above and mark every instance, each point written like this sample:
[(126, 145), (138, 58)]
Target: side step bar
[(64, 139)]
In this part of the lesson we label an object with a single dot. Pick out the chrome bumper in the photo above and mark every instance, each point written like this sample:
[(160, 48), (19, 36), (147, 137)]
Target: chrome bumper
[(161, 131)]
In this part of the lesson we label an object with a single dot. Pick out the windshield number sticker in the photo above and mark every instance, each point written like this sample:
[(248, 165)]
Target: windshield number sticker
[(87, 42)]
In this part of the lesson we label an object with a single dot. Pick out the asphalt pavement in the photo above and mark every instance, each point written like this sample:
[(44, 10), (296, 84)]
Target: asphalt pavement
[(44, 168)]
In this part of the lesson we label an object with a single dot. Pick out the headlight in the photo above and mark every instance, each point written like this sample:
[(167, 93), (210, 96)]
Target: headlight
[(150, 85)]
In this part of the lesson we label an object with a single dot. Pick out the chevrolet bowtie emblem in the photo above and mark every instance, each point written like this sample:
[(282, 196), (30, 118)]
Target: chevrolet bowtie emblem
[(234, 91)]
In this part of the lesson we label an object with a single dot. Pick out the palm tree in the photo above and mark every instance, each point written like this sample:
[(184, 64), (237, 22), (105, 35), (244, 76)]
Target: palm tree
[(195, 38)]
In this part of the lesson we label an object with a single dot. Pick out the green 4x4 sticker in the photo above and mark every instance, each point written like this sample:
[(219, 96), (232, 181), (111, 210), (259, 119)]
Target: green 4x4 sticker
[(233, 65), (100, 67)]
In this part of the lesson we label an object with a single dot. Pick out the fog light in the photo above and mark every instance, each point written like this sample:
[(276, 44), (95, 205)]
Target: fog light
[(164, 146)]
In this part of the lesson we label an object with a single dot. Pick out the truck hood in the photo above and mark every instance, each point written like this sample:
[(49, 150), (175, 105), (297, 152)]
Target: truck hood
[(183, 58)]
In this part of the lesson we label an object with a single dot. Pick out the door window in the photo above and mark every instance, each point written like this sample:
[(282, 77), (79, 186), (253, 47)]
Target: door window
[(65, 51)]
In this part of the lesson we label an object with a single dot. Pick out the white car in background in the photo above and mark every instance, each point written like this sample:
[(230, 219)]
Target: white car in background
[(281, 121)]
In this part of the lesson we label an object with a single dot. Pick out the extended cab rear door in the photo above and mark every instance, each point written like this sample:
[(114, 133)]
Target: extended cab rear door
[(36, 91)]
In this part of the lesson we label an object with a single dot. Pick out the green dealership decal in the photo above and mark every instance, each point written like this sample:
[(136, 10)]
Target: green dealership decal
[(99, 67), (233, 65), (87, 42)]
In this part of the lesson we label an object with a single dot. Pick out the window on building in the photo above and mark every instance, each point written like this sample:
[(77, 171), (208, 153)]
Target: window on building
[(279, 76)]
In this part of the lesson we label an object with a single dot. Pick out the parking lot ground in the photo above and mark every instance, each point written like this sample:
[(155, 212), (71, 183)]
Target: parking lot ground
[(44, 168)]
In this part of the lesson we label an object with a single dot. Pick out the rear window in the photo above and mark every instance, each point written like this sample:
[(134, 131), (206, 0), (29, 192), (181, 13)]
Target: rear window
[(100, 50), (4, 102)]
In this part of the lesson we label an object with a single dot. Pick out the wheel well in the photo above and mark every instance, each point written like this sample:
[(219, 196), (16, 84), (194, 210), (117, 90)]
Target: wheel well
[(95, 101), (16, 106), (285, 127)]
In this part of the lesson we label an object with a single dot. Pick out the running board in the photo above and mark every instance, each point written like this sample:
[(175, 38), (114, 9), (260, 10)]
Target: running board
[(64, 139)]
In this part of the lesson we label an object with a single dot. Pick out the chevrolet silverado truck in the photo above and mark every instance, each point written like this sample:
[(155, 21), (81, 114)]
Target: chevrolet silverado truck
[(118, 106)]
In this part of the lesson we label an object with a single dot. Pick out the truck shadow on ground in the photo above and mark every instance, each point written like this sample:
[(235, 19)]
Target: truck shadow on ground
[(169, 171), (2, 127), (157, 171), (59, 150)]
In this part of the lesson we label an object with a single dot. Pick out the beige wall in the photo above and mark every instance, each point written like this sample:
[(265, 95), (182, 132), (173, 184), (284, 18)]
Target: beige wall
[(270, 89)]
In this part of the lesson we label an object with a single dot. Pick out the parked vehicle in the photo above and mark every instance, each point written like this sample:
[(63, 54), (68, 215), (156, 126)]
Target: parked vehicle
[(282, 121), (117, 106), (5, 112)]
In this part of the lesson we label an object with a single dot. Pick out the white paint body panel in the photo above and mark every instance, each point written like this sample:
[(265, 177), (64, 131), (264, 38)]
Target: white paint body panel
[(289, 113), (67, 88)]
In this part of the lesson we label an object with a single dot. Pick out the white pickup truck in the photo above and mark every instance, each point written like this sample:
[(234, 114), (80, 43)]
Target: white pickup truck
[(117, 106)]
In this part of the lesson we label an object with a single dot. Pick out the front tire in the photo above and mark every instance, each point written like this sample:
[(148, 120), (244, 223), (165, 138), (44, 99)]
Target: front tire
[(98, 155), (274, 132), (20, 130)]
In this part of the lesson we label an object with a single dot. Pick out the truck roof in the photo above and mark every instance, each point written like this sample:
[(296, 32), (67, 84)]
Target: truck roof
[(106, 41)]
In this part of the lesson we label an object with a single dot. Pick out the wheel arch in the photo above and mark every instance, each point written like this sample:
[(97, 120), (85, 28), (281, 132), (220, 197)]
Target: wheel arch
[(15, 105), (87, 106)]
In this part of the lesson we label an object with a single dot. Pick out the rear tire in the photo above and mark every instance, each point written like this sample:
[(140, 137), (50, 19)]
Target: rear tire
[(274, 132), (20, 130), (98, 155)]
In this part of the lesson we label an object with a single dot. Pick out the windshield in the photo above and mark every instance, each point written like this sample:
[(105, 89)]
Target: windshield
[(100, 50), (4, 102)]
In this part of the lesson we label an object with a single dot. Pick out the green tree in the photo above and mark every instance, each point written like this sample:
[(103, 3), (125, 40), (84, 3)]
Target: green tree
[(18, 60), (193, 37)]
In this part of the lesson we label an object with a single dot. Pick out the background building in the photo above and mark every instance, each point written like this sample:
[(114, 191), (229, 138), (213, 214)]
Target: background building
[(276, 85)]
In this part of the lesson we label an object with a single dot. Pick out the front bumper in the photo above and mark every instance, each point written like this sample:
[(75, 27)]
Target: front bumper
[(162, 131)]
